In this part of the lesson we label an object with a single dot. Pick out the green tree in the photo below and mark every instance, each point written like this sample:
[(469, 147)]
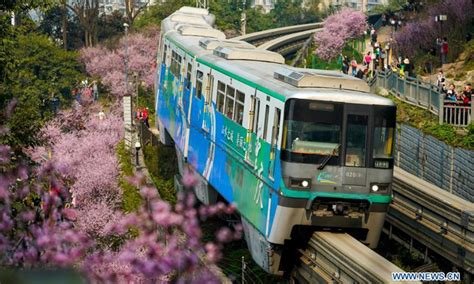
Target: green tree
[(258, 20), (110, 27), (38, 71), (52, 24), (156, 13)]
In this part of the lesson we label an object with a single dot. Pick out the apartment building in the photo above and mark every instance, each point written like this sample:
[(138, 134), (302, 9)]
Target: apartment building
[(109, 6)]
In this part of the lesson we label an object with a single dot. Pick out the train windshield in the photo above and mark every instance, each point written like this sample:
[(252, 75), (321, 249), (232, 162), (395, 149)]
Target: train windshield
[(312, 131)]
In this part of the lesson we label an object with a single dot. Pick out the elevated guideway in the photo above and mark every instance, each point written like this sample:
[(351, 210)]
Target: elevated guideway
[(339, 258), (288, 44), (441, 221), (260, 37)]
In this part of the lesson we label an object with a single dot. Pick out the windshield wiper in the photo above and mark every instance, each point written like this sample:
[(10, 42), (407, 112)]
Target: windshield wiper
[(328, 157)]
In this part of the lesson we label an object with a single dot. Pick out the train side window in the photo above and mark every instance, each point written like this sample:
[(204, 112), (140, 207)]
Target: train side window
[(229, 102), (165, 49), (220, 96), (239, 107), (175, 63), (265, 122), (188, 76), (199, 77)]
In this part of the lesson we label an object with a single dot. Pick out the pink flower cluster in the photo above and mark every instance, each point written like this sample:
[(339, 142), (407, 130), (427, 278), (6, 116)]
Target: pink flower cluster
[(36, 230), (109, 64), (338, 28), (82, 147), (168, 245)]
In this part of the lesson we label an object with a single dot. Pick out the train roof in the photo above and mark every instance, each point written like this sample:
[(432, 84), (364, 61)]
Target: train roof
[(262, 69)]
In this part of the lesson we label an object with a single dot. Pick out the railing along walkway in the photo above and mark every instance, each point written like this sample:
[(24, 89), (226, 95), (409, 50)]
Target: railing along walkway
[(426, 96)]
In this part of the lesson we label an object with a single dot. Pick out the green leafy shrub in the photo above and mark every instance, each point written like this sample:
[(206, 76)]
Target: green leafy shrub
[(429, 124), (161, 164), (131, 197)]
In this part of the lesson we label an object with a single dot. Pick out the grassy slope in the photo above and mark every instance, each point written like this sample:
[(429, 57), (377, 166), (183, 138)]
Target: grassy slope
[(131, 198), (428, 123)]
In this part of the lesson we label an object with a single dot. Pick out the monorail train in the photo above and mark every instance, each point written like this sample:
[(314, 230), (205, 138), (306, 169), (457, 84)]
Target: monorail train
[(292, 148)]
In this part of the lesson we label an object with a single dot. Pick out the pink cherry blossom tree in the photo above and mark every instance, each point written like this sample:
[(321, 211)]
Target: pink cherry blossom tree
[(338, 29), (159, 242), (420, 35), (109, 64)]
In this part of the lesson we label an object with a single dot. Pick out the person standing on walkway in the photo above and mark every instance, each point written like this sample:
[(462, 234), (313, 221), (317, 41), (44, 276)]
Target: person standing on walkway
[(373, 35), (440, 79), (145, 117), (466, 95), (444, 51), (354, 67), (408, 68), (345, 65), (95, 90), (367, 59)]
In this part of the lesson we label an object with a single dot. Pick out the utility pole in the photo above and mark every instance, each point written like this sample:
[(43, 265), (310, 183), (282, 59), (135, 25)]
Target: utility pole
[(125, 25), (243, 20)]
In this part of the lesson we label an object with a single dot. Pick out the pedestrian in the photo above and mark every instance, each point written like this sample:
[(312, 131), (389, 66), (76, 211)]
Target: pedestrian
[(345, 65), (451, 94), (440, 79), (95, 90), (408, 67), (444, 51), (101, 115), (373, 35), (354, 67), (467, 94), (145, 117), (138, 114), (367, 59)]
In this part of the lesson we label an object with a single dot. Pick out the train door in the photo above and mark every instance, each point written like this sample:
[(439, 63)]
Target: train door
[(275, 137), (269, 118), (187, 84), (356, 155), (262, 116), (252, 124)]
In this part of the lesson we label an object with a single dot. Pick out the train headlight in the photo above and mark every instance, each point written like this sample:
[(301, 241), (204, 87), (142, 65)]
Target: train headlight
[(304, 183), (379, 187)]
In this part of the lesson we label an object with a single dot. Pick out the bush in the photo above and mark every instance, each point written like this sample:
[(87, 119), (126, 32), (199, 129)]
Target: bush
[(161, 164), (131, 197)]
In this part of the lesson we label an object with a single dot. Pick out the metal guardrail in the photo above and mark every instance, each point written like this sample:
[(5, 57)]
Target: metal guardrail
[(424, 95), (411, 90), (262, 36), (441, 221), (339, 258)]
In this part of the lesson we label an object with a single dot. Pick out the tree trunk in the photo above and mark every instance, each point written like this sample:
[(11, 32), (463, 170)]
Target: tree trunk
[(65, 24)]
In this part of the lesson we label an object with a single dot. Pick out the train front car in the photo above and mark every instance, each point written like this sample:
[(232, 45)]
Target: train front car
[(336, 157)]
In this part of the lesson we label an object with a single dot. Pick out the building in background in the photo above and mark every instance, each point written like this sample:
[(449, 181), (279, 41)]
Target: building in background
[(109, 6), (267, 5), (361, 5)]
